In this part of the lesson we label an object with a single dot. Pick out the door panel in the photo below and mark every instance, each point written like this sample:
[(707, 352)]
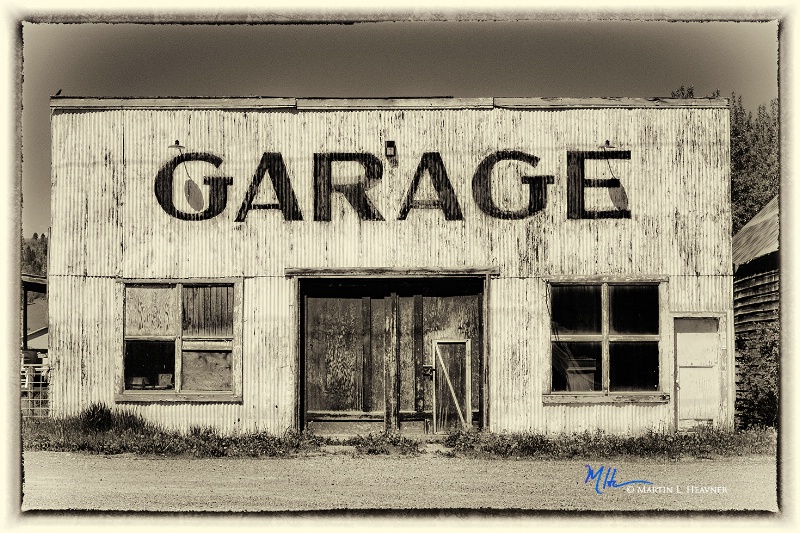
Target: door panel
[(454, 317), (350, 374), (406, 340), (333, 354), (378, 341), (697, 351), (451, 397)]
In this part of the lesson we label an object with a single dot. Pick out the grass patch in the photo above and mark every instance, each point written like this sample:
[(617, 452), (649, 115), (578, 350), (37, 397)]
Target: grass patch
[(383, 444), (652, 444), (100, 430)]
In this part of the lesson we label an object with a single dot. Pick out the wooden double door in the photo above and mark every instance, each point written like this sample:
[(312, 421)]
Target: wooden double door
[(389, 354)]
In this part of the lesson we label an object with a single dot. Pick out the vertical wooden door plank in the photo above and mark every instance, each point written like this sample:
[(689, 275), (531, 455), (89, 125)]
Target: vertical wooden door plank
[(391, 383), (419, 356), (366, 354)]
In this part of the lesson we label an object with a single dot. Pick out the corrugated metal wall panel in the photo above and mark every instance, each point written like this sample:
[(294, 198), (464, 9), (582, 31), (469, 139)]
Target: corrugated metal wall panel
[(85, 341), (678, 157), (107, 223), (87, 347), (269, 354)]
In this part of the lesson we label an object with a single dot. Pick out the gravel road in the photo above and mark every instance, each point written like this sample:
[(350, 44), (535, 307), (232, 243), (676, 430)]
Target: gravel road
[(61, 481)]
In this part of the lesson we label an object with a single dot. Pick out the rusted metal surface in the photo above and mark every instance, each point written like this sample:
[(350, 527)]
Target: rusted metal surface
[(108, 225)]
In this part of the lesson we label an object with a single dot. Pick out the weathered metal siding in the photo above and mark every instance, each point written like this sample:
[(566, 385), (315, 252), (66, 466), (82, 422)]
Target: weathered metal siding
[(86, 321), (86, 340), (676, 183), (519, 362), (107, 224)]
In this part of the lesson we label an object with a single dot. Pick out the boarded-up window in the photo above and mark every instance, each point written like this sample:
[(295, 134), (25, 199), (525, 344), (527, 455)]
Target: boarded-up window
[(179, 337), (150, 311), (206, 371), (208, 311), (605, 326)]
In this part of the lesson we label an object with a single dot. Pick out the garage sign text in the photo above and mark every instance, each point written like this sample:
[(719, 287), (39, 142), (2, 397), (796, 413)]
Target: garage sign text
[(272, 164)]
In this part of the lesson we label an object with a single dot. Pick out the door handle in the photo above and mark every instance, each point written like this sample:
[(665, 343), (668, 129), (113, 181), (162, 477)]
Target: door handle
[(428, 370)]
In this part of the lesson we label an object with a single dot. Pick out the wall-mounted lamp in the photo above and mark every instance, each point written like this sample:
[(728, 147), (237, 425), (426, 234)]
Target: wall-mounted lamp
[(606, 145), (391, 149)]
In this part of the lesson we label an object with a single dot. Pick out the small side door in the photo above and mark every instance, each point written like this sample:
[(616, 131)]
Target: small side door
[(452, 394), (697, 372)]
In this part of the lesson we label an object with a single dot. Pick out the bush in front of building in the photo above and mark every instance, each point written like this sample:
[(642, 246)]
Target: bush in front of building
[(758, 366), (653, 444), (99, 429)]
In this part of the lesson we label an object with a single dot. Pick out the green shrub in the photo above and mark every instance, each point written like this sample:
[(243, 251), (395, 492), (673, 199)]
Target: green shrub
[(98, 429), (96, 418), (384, 444), (598, 444), (758, 359)]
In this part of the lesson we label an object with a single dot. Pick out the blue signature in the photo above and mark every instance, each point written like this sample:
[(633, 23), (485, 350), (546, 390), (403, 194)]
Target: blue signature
[(608, 481)]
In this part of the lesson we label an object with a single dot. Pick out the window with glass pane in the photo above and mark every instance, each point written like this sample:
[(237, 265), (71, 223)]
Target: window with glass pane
[(605, 326), (576, 309), (633, 366), (149, 365), (633, 309), (577, 366)]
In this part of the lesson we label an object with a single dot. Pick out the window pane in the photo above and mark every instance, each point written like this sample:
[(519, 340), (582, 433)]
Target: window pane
[(209, 371), (633, 366), (576, 309), (577, 366), (208, 311), (150, 311), (149, 365), (634, 309)]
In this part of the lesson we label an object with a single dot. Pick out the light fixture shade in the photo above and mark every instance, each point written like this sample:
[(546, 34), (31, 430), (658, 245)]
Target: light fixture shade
[(177, 145)]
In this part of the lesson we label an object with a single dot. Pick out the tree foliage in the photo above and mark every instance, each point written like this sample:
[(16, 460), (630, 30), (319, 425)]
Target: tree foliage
[(34, 255), (755, 161)]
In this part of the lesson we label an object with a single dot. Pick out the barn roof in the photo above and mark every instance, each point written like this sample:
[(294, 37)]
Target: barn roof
[(759, 236)]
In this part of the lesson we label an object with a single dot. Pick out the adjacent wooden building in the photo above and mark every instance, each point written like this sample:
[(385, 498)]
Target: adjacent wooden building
[(756, 263), (417, 265)]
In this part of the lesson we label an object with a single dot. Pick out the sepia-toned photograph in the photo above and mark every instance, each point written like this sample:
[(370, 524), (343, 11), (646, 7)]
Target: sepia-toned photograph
[(398, 264)]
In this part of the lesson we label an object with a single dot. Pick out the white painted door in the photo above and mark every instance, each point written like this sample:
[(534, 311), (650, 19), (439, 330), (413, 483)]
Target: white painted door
[(697, 375)]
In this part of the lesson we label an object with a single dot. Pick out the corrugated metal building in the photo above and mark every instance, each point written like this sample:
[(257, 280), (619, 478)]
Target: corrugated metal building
[(414, 264)]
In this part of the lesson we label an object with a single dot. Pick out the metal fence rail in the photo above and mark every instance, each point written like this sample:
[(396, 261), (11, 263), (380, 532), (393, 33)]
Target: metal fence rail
[(34, 384)]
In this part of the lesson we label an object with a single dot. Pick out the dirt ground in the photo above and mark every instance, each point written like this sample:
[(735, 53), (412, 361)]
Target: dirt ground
[(344, 480)]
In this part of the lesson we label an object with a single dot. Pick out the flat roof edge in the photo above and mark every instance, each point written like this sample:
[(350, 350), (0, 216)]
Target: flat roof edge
[(334, 104)]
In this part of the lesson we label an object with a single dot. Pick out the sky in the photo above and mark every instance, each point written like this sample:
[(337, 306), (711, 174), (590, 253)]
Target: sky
[(522, 58)]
